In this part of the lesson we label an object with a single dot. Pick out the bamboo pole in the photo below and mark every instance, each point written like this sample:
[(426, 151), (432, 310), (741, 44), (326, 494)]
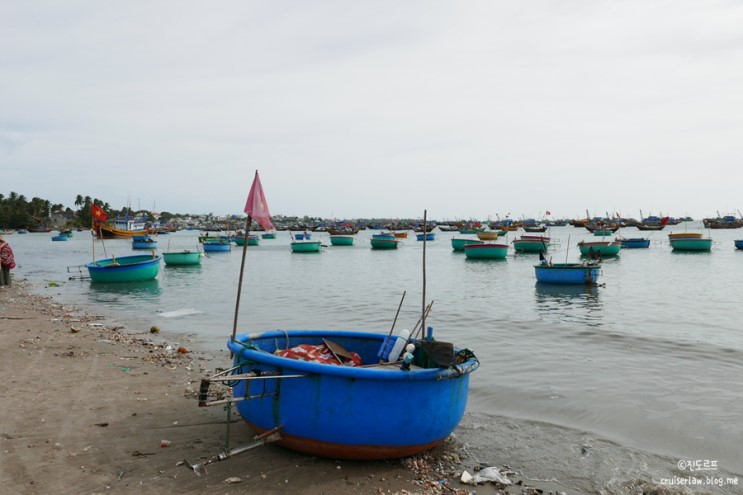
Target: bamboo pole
[(389, 336), (423, 305), (240, 281)]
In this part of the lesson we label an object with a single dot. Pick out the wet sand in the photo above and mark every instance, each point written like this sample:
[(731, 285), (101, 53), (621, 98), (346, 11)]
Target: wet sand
[(87, 406)]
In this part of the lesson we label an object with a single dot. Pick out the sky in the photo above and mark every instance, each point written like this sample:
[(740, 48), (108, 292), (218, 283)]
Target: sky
[(379, 109)]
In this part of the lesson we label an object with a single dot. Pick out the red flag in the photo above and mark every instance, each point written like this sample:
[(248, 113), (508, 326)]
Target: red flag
[(98, 214), (256, 206), (548, 213), (664, 220)]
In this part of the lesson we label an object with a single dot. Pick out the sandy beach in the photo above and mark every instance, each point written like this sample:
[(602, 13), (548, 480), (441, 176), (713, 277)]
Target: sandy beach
[(90, 407)]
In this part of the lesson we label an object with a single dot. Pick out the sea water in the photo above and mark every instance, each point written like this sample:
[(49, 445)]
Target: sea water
[(639, 378)]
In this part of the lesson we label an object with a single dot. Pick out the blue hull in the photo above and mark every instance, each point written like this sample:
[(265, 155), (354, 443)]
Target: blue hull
[(346, 412), (216, 247), (428, 237), (739, 244), (567, 273), (635, 243)]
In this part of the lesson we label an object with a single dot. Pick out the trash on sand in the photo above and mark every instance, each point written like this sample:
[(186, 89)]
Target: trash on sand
[(164, 443), (234, 479), (485, 475)]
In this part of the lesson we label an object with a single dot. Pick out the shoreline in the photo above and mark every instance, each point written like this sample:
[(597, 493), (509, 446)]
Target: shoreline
[(87, 404)]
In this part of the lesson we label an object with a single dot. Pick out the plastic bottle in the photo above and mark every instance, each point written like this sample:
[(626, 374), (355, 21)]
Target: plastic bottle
[(402, 339)]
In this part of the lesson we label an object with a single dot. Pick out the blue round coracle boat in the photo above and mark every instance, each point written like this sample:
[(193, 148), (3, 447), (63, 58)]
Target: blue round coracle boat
[(567, 273), (372, 411), (125, 268)]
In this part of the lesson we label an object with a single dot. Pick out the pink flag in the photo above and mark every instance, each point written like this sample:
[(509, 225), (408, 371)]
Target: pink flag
[(256, 206)]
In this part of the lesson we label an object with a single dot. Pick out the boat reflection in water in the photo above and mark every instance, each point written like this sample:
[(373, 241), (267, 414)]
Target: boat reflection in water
[(569, 303), (111, 292)]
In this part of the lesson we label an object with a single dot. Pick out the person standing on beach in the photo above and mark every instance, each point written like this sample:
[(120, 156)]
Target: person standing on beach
[(6, 262)]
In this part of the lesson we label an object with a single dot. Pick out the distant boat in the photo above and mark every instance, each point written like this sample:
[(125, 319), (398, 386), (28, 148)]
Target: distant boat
[(457, 244), (253, 240), (41, 229), (536, 228), (601, 227), (634, 242), (306, 246), (341, 240), (568, 273), (180, 258), (429, 236), (60, 237), (125, 268), (531, 244), (685, 235), (306, 236), (488, 236), (739, 244), (143, 242), (342, 230), (216, 244), (268, 235), (486, 251), (600, 248), (643, 226)]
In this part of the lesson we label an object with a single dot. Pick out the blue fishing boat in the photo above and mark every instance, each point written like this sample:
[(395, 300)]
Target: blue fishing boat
[(60, 237), (567, 273), (214, 244), (428, 236), (143, 242), (739, 244), (340, 411), (634, 242), (124, 268), (306, 236)]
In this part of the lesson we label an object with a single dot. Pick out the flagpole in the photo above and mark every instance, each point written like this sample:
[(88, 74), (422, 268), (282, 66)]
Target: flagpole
[(242, 270)]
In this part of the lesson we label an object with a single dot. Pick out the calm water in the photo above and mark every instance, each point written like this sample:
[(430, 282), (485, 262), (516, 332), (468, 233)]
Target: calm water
[(648, 365)]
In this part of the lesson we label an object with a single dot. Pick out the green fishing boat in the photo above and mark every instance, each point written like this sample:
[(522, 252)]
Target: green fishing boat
[(384, 241), (531, 244), (600, 248), (253, 240), (457, 244), (269, 235), (486, 251), (341, 240), (691, 244), (180, 258), (306, 247)]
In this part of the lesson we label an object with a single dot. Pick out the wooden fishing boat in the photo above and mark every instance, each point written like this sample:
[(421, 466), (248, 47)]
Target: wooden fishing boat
[(341, 240), (253, 240), (691, 244), (346, 230), (567, 273), (486, 251), (306, 246), (41, 229), (125, 268), (122, 228), (400, 234), (634, 242), (535, 228), (457, 244), (180, 258), (428, 236), (468, 231), (143, 242), (654, 227), (341, 412), (600, 248), (216, 244), (487, 236), (601, 226), (739, 244)]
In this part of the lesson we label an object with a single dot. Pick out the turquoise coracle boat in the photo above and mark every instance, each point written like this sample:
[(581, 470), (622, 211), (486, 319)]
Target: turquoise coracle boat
[(384, 241), (567, 273), (457, 244), (217, 245), (341, 240), (125, 268), (306, 246), (182, 258), (531, 244), (486, 251), (600, 248), (691, 244), (253, 240), (367, 412)]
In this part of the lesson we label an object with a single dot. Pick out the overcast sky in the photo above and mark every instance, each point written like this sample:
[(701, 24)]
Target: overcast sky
[(469, 109)]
